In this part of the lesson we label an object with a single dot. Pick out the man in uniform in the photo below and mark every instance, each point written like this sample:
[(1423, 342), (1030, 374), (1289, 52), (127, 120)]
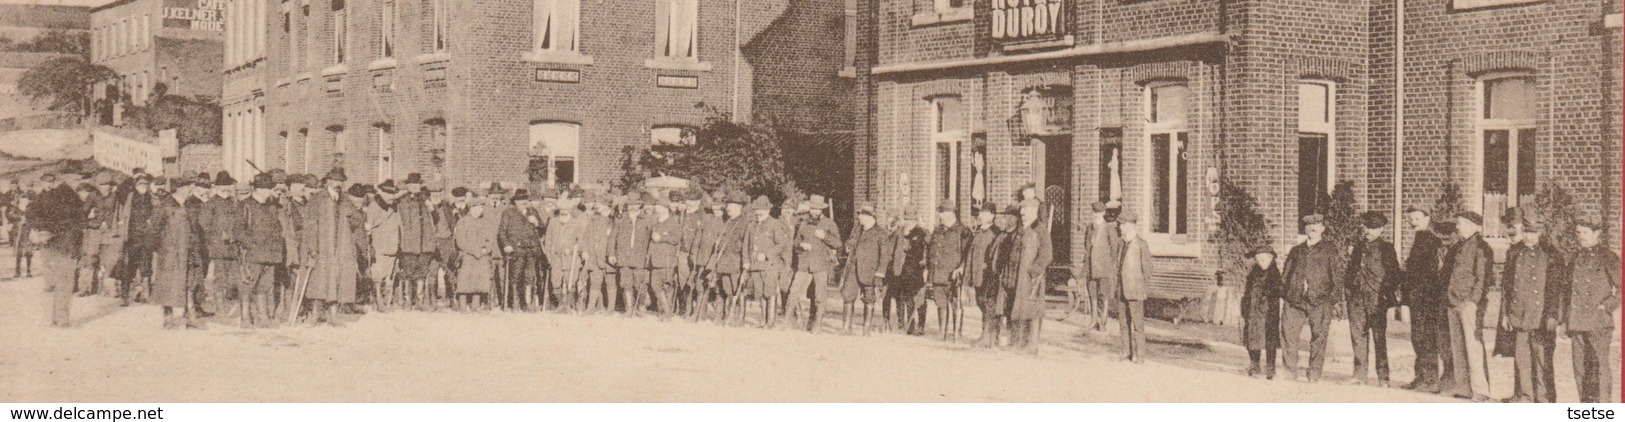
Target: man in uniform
[(866, 262), (1369, 289), (1589, 307), (665, 242), (57, 219), (222, 223), (1312, 268), (1468, 267), (1533, 277), (1098, 268), (1423, 294), (817, 240), (765, 264), (264, 251), (945, 269), (631, 254)]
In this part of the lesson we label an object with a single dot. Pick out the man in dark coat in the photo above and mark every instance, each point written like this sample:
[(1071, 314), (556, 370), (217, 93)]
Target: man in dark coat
[(769, 239), (104, 240), (1004, 268), (1027, 296), (1261, 312), (264, 250), (522, 245), (1312, 271), (179, 264), (978, 264), (1588, 311), (417, 240), (665, 244), (1422, 291), (1530, 288), (630, 255), (1369, 288), (866, 263), (222, 223), (140, 242), (907, 274), (1097, 268), (817, 240), (1468, 268), (945, 268), (57, 219)]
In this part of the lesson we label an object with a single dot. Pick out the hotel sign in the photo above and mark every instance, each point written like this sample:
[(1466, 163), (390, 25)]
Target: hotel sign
[(203, 15), (1017, 21)]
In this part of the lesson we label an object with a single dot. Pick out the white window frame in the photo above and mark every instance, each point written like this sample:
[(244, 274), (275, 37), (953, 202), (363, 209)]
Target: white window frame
[(1172, 129), (665, 44), (386, 152), (546, 26), (1482, 124), (341, 32), (1327, 128), (553, 149), (442, 25), (386, 29), (940, 133)]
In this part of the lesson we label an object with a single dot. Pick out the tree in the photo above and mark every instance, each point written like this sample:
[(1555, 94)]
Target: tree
[(64, 83), (52, 41), (1241, 229), (196, 120), (1342, 216), (1449, 202), (1557, 209)]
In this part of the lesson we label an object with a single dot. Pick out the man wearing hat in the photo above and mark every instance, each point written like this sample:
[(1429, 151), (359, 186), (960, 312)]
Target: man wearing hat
[(521, 243), (665, 246), (978, 262), (907, 276), (768, 242), (1589, 309), (1530, 297), (140, 240), (731, 261), (1135, 267), (57, 220), (945, 267), (1098, 268), (264, 251), (339, 227), (1468, 268), (104, 236), (1422, 291), (441, 276), (175, 265), (685, 210), (597, 233), (705, 231), (630, 254), (561, 244), (1027, 296), (417, 240), (1313, 269), (1369, 286), (817, 240), (223, 226), (866, 262)]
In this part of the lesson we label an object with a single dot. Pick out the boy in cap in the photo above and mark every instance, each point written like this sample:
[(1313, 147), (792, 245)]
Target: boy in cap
[(1589, 310), (1369, 287), (945, 267), (817, 240), (1468, 267), (1312, 268), (867, 261), (1530, 298), (1261, 311)]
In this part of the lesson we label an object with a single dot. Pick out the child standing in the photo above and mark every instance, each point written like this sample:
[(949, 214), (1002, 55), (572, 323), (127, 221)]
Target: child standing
[(1261, 311)]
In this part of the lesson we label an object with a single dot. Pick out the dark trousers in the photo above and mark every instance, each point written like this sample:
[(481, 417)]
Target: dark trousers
[(1133, 322), (1319, 320), (1368, 332), (1430, 339), (1593, 373), (1532, 358)]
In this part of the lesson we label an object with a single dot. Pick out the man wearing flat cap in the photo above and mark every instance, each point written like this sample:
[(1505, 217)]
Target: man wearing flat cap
[(223, 227), (57, 220), (629, 254), (1530, 288), (907, 276), (945, 268), (1369, 286), (768, 241), (1098, 268), (978, 262), (732, 260), (665, 248), (1134, 284), (139, 242), (817, 240), (104, 236), (597, 233), (1468, 268), (521, 244), (1590, 309), (866, 262), (561, 245), (1312, 273)]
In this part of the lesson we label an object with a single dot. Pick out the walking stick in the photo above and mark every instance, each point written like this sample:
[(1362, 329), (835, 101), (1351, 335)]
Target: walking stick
[(301, 283)]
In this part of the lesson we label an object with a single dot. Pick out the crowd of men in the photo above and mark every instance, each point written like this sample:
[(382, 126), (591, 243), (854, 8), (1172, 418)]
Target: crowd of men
[(1444, 281), (297, 248), (290, 248)]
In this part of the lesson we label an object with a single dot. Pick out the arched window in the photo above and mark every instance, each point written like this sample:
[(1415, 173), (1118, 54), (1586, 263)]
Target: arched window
[(1507, 134)]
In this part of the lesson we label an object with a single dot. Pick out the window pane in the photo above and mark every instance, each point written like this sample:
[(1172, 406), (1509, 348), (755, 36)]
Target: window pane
[(1510, 98), (945, 163), (1180, 184), (554, 139), (1312, 105), (564, 171), (1313, 173), (1526, 164), (1168, 104), (1159, 191), (1496, 167), (1111, 146)]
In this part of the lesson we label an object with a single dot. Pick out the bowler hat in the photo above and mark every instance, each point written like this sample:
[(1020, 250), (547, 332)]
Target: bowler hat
[(262, 181), (388, 187), (459, 192), (224, 179), (336, 174), (413, 178), (1307, 220), (1373, 220)]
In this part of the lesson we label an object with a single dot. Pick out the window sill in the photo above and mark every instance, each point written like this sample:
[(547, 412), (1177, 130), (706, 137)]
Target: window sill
[(1460, 5), (557, 57), (677, 64), (301, 77), (283, 82), (848, 72), (963, 14), (438, 56), (335, 70), (1164, 245), (381, 64)]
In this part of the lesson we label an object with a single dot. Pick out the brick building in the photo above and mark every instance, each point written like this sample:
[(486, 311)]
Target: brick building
[(1150, 102), (548, 91), (174, 43)]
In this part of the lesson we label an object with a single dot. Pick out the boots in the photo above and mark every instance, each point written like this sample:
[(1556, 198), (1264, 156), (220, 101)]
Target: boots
[(990, 334)]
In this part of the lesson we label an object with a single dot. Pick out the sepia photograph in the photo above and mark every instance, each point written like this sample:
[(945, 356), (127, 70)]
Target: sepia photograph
[(808, 201)]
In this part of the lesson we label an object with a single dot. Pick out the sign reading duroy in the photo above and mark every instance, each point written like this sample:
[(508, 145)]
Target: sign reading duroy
[(1021, 20)]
